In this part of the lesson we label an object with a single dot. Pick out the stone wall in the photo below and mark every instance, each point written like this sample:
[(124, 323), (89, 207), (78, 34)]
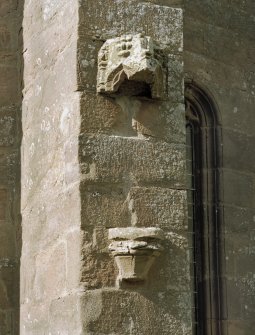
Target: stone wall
[(10, 136), (219, 55), (132, 158), (92, 162), (50, 170)]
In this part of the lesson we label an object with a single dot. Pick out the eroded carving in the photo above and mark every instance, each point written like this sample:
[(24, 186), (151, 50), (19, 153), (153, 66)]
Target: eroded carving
[(131, 65), (135, 250)]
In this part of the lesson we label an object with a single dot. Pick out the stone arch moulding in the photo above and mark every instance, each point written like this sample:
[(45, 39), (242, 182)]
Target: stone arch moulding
[(203, 120)]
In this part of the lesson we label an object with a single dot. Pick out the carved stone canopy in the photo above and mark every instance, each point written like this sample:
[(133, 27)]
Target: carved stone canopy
[(131, 65)]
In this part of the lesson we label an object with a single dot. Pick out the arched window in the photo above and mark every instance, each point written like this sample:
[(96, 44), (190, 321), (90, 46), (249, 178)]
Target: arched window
[(204, 162)]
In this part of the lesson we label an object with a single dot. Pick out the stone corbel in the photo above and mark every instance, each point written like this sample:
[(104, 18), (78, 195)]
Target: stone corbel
[(135, 250), (131, 65)]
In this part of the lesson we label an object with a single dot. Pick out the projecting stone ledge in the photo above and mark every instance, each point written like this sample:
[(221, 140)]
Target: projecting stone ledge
[(135, 250), (132, 65)]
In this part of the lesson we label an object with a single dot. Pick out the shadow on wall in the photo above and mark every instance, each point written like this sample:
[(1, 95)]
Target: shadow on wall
[(11, 84)]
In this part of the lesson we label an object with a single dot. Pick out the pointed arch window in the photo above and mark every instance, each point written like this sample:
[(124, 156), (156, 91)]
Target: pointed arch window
[(204, 162)]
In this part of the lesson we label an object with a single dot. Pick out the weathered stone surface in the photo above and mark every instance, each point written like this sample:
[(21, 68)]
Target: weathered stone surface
[(8, 35), (7, 326), (126, 310), (48, 219), (237, 327), (238, 188), (159, 207), (239, 219), (132, 117), (239, 254), (42, 14), (99, 114), (228, 75), (238, 110), (116, 159), (150, 119), (202, 37), (238, 151), (8, 167), (44, 60), (7, 242), (133, 17), (104, 206), (9, 88), (64, 315), (7, 6), (96, 263), (8, 126), (160, 120), (144, 207), (175, 78), (50, 280), (242, 289), (87, 63), (50, 168), (218, 13), (35, 318), (9, 286)]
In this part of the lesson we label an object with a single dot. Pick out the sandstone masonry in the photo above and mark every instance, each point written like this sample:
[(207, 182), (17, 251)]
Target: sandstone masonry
[(94, 158)]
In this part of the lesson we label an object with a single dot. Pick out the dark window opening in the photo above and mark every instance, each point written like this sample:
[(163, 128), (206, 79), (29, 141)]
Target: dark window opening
[(203, 163)]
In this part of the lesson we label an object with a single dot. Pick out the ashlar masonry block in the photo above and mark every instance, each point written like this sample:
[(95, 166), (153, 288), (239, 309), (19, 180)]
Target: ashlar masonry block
[(116, 159)]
